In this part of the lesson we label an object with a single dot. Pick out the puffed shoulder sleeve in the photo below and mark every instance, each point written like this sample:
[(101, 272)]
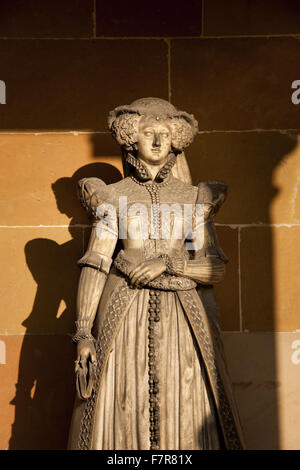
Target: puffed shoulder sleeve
[(97, 198), (211, 195), (93, 192)]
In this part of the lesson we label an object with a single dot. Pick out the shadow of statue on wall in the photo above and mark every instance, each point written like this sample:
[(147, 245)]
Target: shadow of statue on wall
[(45, 389)]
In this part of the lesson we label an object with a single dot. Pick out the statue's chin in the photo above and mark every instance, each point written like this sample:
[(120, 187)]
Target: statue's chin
[(153, 160)]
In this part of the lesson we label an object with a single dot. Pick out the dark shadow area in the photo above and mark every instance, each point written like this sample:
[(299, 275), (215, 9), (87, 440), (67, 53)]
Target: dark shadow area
[(74, 83), (251, 161), (45, 389)]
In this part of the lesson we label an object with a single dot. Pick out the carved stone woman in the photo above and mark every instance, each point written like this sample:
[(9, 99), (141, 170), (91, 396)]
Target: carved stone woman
[(155, 377)]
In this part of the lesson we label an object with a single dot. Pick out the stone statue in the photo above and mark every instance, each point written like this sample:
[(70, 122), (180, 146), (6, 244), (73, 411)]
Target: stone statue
[(150, 371)]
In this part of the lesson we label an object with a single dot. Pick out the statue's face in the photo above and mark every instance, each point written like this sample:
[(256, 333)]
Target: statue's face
[(154, 141)]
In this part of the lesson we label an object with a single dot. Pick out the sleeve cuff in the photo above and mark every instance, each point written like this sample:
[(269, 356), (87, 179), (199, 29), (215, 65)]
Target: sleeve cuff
[(96, 260)]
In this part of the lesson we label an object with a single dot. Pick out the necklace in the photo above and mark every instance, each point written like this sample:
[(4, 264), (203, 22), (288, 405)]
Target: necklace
[(153, 190), (147, 184)]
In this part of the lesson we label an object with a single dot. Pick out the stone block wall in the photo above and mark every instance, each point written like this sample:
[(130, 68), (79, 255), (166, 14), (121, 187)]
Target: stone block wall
[(65, 64)]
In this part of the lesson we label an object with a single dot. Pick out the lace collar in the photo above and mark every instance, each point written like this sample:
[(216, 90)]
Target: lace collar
[(142, 173)]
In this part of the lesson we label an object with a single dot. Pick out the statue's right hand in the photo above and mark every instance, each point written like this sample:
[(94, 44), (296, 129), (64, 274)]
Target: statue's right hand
[(85, 352), (85, 368)]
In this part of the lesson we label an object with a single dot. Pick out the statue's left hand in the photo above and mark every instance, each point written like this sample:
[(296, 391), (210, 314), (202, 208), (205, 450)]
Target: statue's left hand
[(147, 271)]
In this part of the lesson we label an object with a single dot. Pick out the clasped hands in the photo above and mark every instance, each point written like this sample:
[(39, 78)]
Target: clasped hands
[(146, 271)]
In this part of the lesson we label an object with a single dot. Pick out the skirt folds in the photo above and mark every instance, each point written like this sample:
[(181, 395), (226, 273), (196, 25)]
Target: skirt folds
[(187, 418)]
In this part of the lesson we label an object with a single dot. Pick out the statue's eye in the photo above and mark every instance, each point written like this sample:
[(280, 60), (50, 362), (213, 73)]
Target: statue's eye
[(165, 135), (148, 134)]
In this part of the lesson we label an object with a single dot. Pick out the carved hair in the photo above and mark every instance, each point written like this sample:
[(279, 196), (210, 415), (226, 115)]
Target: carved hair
[(125, 129), (123, 122)]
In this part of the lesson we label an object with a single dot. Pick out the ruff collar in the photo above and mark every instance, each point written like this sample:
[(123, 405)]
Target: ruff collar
[(141, 172)]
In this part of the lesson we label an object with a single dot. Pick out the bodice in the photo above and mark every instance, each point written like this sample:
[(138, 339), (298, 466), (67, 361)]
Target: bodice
[(154, 218)]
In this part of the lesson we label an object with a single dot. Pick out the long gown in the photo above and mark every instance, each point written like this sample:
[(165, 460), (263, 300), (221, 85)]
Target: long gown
[(187, 417), (161, 381)]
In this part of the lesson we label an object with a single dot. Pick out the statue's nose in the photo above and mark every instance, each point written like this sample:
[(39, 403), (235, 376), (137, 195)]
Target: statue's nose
[(156, 140)]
